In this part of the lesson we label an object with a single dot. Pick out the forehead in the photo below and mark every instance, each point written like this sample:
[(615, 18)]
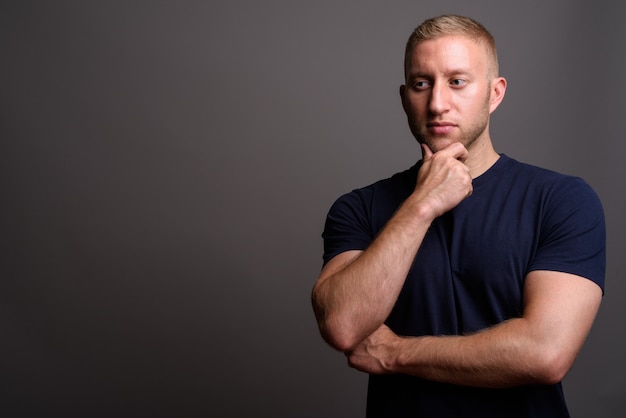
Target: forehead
[(447, 54)]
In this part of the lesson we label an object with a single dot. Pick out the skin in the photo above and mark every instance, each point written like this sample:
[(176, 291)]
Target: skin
[(449, 94)]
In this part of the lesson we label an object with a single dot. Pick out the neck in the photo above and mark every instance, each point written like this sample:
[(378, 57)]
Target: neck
[(481, 157)]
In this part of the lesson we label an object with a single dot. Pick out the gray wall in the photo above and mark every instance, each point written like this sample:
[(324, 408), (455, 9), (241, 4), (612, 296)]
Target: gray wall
[(165, 170)]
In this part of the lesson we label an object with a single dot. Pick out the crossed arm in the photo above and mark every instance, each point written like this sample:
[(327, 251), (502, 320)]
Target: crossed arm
[(356, 291), (538, 348)]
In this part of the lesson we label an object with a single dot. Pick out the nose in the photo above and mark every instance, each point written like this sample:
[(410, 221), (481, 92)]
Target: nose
[(439, 99)]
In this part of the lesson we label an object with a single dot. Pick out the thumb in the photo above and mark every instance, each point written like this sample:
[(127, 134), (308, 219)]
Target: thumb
[(426, 152)]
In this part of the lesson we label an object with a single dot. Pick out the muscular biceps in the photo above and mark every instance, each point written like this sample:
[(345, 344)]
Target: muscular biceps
[(538, 348)]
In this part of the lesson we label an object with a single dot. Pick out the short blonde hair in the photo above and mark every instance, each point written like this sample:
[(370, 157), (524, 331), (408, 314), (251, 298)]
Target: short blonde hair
[(446, 25)]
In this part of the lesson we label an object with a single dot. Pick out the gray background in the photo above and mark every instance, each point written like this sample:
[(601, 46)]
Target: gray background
[(166, 167)]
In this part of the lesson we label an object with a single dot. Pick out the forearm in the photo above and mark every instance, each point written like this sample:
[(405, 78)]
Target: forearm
[(353, 296), (352, 300), (502, 356), (538, 348)]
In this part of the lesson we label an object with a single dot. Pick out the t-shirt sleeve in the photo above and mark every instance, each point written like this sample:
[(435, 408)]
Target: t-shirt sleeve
[(573, 237), (347, 225)]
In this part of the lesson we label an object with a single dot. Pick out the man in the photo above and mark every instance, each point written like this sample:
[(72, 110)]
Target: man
[(467, 284)]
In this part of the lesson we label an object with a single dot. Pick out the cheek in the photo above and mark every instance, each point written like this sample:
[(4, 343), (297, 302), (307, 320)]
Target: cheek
[(473, 101), (416, 105)]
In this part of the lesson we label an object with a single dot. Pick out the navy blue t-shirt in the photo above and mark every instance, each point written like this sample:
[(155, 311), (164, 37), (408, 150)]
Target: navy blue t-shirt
[(469, 273)]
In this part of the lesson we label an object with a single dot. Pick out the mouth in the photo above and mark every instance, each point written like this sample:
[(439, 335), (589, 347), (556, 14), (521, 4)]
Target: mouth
[(440, 128)]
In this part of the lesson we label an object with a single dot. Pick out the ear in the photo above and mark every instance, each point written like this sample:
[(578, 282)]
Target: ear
[(403, 97), (498, 88)]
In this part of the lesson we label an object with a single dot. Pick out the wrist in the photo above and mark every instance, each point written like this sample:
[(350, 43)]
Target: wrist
[(422, 210), (393, 361)]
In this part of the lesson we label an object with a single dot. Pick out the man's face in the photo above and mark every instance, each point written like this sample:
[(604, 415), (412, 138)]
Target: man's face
[(447, 92)]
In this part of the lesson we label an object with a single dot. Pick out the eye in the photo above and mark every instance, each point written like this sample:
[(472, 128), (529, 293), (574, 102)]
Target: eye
[(421, 85), (457, 82)]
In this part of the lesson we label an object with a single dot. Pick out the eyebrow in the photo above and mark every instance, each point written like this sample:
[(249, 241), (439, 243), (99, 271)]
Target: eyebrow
[(449, 73)]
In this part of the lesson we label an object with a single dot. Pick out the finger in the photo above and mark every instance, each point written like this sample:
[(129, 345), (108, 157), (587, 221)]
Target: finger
[(426, 152), (457, 151)]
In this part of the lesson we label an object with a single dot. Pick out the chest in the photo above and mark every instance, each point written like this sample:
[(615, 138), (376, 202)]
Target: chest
[(470, 269)]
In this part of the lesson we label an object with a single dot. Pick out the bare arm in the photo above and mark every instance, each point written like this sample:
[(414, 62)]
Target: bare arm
[(540, 347), (356, 290)]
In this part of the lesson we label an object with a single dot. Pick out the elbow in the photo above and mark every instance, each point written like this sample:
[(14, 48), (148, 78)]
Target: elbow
[(339, 337), (337, 331), (552, 365), (556, 371)]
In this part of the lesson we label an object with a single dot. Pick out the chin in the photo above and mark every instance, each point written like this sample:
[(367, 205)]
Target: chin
[(437, 144)]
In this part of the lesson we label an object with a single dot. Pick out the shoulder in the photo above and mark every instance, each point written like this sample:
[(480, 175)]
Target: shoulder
[(551, 200), (390, 189), (550, 184), (531, 172), (355, 218), (568, 217)]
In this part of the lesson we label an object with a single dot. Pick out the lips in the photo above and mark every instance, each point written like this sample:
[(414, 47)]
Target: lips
[(440, 128)]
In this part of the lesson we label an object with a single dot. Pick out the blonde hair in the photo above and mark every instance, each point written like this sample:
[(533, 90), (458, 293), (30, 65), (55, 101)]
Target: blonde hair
[(446, 25)]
